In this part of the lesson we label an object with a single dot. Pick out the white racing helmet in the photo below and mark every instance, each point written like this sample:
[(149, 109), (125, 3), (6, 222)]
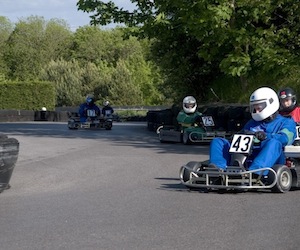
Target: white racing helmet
[(189, 104), (106, 103), (264, 103)]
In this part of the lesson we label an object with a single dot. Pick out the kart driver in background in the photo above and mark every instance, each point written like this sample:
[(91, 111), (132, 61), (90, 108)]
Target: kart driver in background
[(288, 104), (88, 109), (189, 115), (270, 128), (107, 110)]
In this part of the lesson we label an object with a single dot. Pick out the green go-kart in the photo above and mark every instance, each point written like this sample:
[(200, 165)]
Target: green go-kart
[(200, 132)]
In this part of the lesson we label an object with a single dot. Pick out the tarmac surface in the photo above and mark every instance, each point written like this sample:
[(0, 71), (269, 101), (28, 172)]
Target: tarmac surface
[(120, 189)]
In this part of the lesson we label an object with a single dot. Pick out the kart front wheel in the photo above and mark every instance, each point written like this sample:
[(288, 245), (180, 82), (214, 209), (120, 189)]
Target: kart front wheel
[(284, 179), (72, 126), (186, 139)]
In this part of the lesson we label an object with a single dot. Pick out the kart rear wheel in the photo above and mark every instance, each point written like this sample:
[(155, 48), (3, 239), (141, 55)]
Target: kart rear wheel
[(284, 179), (190, 167)]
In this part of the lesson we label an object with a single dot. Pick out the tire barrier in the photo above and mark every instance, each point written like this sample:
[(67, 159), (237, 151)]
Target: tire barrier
[(9, 151), (230, 118)]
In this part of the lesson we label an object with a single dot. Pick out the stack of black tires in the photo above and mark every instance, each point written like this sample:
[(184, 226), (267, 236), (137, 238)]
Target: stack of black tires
[(230, 118), (9, 151)]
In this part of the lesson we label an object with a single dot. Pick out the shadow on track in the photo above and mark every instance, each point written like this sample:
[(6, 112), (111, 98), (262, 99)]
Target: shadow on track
[(134, 134)]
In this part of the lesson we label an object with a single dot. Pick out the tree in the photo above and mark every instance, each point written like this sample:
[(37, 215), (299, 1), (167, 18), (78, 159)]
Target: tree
[(6, 28), (121, 62), (32, 44), (89, 45), (196, 41), (57, 40), (122, 91), (67, 79)]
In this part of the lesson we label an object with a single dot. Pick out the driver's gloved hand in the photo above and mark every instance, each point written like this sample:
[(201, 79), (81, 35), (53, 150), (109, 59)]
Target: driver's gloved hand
[(261, 135), (198, 120)]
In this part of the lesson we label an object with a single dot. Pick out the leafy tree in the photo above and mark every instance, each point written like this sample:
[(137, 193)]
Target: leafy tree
[(32, 44), (121, 90), (143, 75), (6, 27), (89, 45), (57, 40), (196, 41), (67, 78), (117, 59)]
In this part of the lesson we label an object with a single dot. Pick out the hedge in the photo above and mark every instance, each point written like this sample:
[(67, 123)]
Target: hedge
[(27, 95)]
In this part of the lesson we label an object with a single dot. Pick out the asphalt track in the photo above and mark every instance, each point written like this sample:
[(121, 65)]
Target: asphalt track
[(119, 189)]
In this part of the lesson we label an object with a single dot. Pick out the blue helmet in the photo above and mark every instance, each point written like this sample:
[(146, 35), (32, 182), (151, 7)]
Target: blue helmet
[(89, 100)]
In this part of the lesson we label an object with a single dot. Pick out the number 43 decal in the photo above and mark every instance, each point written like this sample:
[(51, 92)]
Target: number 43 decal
[(241, 144)]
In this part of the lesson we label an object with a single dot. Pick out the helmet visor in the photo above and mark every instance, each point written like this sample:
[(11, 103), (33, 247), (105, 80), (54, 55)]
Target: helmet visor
[(258, 107), (286, 102), (189, 105)]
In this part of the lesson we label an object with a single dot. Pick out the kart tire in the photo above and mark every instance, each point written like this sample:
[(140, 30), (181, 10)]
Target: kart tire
[(72, 124), (72, 128), (162, 141), (186, 139), (190, 167), (195, 137), (284, 179)]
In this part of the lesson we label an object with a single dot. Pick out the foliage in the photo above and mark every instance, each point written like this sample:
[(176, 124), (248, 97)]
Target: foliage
[(195, 41), (90, 60), (183, 48), (66, 77), (6, 28), (32, 44), (123, 65), (27, 95)]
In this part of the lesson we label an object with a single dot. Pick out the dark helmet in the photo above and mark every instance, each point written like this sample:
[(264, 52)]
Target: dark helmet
[(90, 100), (285, 94)]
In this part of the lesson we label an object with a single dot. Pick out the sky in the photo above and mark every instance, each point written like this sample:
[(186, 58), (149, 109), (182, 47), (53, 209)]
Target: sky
[(15, 10)]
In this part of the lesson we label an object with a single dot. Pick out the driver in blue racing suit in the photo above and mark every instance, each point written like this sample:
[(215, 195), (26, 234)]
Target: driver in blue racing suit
[(271, 129), (88, 109)]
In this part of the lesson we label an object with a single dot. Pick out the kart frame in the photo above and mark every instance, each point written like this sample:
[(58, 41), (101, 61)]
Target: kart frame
[(280, 178), (233, 178), (95, 123)]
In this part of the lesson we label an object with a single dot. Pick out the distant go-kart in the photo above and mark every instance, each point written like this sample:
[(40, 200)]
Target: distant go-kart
[(93, 121), (203, 132), (280, 178)]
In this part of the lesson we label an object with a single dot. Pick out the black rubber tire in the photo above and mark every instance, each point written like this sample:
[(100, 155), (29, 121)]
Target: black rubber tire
[(72, 126), (162, 141), (186, 139), (3, 136), (284, 181), (191, 166)]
